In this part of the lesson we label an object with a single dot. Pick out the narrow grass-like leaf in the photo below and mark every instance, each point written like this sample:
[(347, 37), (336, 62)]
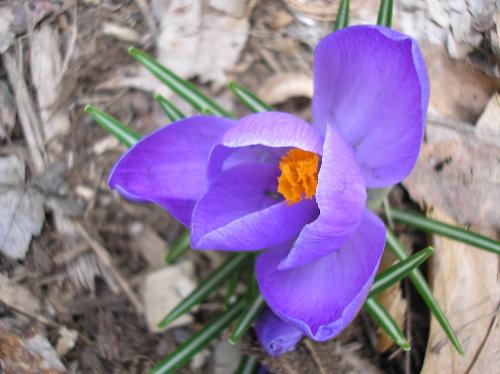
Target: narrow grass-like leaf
[(249, 99), (206, 286), (400, 270), (123, 133), (380, 315), (342, 19), (453, 232), (425, 292), (171, 111), (182, 87), (248, 316), (248, 365), (231, 288), (385, 13), (198, 341), (178, 248)]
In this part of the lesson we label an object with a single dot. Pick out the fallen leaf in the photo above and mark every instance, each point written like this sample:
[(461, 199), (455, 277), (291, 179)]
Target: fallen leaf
[(22, 209), (27, 354), (46, 73), (18, 297), (284, 86), (198, 41), (460, 26), (176, 281), (459, 173), (465, 283)]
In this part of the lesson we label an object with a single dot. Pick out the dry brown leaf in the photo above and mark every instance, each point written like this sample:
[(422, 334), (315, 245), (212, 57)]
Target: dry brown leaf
[(18, 297), (459, 173), (465, 283), (150, 246), (283, 86), (460, 26), (176, 281), (46, 73), (458, 91), (198, 41), (30, 122), (27, 354)]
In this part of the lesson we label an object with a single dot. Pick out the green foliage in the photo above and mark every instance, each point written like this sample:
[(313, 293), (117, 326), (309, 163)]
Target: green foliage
[(206, 287), (171, 111), (425, 292), (440, 228), (123, 133), (178, 247), (181, 87), (380, 315), (385, 13), (397, 272), (183, 353), (342, 19)]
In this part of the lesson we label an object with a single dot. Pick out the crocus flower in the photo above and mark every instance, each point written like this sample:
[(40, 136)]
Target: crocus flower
[(272, 181)]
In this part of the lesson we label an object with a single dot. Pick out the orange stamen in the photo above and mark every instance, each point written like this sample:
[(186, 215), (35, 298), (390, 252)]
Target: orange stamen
[(299, 175)]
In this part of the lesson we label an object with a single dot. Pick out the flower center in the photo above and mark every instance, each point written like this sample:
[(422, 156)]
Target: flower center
[(299, 175)]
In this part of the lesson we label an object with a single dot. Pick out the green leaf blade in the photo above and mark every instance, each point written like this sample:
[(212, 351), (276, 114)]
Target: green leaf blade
[(425, 292), (182, 87), (249, 99), (400, 270), (440, 228), (231, 288), (342, 19), (178, 248), (206, 286), (123, 133), (171, 111), (378, 313), (385, 13), (248, 365), (180, 356), (248, 316)]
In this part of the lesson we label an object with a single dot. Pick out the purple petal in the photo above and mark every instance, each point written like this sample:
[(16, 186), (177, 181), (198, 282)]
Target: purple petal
[(341, 198), (168, 167), (238, 213), (371, 85), (274, 335), (323, 297), (273, 129)]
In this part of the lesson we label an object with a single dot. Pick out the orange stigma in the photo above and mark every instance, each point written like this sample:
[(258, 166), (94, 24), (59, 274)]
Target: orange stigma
[(299, 175)]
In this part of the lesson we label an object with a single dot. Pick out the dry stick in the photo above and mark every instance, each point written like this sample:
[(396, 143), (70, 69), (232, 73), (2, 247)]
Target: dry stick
[(30, 122), (143, 6), (315, 356), (105, 259)]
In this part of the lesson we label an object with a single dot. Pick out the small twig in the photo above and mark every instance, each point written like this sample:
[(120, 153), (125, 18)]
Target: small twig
[(143, 6), (71, 47), (315, 356), (103, 256)]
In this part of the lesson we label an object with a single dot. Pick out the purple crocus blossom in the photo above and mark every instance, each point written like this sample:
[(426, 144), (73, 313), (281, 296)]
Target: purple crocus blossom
[(222, 177)]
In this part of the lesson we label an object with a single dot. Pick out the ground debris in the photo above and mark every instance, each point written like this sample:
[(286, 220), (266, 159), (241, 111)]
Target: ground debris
[(465, 282), (163, 289), (22, 208), (27, 353)]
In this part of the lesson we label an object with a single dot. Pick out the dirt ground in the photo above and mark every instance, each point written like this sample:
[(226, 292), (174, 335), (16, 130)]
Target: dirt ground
[(75, 275)]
